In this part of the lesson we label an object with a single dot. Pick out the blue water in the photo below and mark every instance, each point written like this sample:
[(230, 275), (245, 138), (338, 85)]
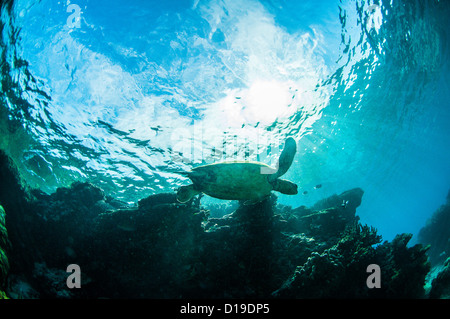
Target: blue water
[(134, 91)]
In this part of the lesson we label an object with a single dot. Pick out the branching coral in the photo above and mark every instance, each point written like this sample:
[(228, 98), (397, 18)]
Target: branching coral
[(403, 268), (340, 271), (436, 233), (440, 287), (4, 245)]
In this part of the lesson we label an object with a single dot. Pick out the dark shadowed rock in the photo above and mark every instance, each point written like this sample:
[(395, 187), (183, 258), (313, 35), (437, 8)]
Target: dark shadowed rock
[(436, 233)]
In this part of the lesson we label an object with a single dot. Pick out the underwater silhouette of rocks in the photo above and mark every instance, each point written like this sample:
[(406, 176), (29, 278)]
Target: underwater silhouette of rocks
[(162, 249), (4, 245), (436, 233)]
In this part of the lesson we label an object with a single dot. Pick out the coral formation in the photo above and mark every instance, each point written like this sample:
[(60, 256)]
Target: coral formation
[(4, 245), (436, 233), (160, 248), (440, 287), (339, 270)]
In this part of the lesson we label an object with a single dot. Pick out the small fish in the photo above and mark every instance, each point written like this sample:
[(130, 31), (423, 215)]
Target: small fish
[(344, 203), (305, 192), (318, 186), (156, 128)]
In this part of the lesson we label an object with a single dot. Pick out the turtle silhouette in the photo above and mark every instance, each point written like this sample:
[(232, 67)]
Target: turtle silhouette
[(241, 180)]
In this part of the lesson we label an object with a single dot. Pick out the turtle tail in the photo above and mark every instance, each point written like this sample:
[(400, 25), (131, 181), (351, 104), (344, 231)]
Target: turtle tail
[(186, 193)]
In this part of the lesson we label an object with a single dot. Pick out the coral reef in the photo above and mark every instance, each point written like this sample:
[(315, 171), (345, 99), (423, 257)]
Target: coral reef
[(4, 246), (7, 172), (436, 233), (403, 268), (15, 198), (160, 248), (440, 287), (339, 270)]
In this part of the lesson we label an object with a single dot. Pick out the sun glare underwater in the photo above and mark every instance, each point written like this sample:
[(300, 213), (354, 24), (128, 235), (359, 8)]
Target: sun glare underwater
[(125, 95)]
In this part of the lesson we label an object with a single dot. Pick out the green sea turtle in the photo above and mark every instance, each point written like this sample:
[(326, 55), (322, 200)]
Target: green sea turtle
[(241, 180)]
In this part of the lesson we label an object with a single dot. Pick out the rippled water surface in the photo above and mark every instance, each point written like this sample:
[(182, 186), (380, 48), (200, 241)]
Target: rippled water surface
[(125, 94)]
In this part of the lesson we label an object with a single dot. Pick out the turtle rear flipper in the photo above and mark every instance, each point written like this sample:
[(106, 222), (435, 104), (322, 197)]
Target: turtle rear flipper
[(286, 158), (285, 187), (185, 193)]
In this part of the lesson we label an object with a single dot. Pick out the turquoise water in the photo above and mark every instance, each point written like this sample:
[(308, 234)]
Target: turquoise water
[(124, 94)]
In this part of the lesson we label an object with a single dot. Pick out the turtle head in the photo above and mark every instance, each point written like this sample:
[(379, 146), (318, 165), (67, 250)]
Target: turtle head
[(185, 193), (285, 187)]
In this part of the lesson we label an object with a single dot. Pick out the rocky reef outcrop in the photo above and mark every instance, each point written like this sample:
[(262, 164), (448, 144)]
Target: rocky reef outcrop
[(159, 248), (440, 285), (4, 245), (436, 233)]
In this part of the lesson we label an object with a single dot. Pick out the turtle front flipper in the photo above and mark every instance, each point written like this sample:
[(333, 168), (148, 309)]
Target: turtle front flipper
[(185, 193), (286, 158)]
